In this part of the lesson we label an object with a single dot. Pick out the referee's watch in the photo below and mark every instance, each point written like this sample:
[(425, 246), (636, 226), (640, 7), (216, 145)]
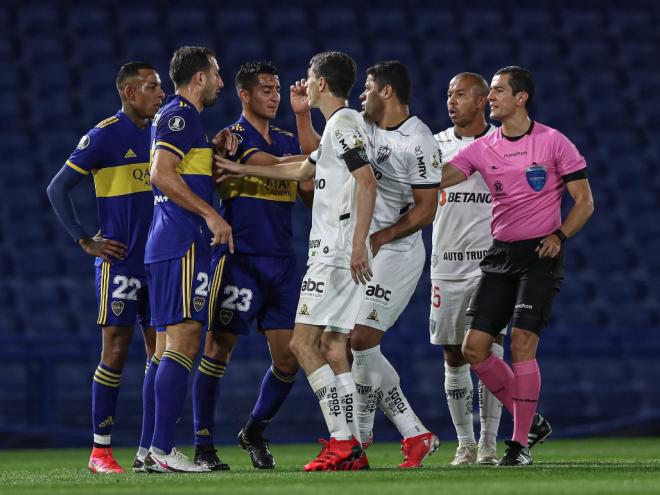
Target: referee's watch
[(561, 235)]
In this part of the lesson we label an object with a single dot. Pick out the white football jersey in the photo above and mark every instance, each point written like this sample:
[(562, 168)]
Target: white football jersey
[(403, 158), (461, 228), (334, 209)]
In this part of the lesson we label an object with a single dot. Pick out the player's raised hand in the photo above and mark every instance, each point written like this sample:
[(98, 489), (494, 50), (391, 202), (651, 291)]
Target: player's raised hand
[(226, 169), (299, 99), (360, 269), (221, 231), (225, 142), (103, 248)]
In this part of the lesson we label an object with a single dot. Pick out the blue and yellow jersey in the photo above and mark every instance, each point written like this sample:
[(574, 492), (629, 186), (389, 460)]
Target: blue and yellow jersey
[(259, 210), (178, 129), (116, 153)]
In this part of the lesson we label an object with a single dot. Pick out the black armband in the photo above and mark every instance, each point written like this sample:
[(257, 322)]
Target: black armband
[(577, 175), (355, 158), (561, 235)]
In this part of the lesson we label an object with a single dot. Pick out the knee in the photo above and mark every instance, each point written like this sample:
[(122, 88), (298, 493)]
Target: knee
[(287, 364), (454, 356), (474, 354), (297, 347), (218, 348)]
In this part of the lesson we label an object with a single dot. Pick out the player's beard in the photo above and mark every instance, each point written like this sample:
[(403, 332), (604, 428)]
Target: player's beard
[(209, 97)]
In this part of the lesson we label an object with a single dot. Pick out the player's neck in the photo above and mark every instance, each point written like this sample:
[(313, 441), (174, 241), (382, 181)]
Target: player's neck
[(394, 115), (134, 117), (330, 104), (516, 125), (473, 129), (192, 96), (259, 123)]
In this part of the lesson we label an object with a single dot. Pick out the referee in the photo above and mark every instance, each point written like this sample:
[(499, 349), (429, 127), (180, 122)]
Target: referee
[(526, 166)]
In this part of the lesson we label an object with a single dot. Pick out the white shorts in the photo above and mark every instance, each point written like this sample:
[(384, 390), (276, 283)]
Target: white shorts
[(396, 274), (329, 298), (449, 302)]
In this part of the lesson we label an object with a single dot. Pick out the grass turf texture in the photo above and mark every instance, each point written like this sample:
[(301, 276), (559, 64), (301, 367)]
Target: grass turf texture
[(600, 466)]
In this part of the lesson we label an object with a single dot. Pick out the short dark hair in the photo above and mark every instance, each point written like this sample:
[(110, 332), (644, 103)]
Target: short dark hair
[(247, 76), (520, 80), (188, 61), (128, 70), (338, 69), (395, 74)]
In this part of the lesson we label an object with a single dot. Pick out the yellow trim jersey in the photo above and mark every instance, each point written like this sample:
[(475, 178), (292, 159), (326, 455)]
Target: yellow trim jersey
[(177, 129), (255, 207), (116, 153)]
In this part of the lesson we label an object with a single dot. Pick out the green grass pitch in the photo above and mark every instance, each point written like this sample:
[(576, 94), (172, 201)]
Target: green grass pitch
[(600, 466)]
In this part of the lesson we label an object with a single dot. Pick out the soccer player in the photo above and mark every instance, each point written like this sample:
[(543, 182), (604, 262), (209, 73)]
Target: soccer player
[(116, 152), (461, 237), (406, 163), (339, 260), (178, 252), (253, 287), (526, 166)]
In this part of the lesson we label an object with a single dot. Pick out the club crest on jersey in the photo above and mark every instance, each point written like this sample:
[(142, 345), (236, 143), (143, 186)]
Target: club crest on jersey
[(226, 315), (383, 153), (238, 137), (176, 123), (536, 176), (117, 307), (198, 303), (83, 143)]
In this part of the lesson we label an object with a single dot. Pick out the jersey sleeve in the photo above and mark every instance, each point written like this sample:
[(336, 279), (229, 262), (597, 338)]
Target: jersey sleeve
[(568, 158), (177, 131), (247, 144), (423, 161), (89, 153), (348, 142), (466, 159)]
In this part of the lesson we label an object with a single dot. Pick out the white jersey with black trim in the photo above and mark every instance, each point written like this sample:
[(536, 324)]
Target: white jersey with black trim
[(461, 228), (334, 209), (404, 157)]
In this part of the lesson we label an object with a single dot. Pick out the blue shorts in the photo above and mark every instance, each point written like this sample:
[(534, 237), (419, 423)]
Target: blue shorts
[(251, 291), (179, 288), (122, 297)]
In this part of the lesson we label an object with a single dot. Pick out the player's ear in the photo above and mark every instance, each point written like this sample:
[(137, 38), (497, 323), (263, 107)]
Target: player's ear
[(128, 92), (322, 84), (521, 98), (244, 95)]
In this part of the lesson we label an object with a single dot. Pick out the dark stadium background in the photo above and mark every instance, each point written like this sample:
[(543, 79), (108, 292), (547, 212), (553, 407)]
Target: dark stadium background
[(596, 67)]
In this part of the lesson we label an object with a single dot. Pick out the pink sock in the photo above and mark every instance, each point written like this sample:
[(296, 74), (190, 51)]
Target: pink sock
[(527, 385), (498, 378)]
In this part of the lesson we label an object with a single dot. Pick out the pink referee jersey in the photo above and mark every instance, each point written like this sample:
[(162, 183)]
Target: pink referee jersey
[(524, 176)]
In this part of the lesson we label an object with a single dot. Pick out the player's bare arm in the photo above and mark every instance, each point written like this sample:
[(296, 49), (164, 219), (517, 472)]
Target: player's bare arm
[(167, 180), (365, 203), (418, 217), (451, 176), (583, 208), (300, 170), (307, 135)]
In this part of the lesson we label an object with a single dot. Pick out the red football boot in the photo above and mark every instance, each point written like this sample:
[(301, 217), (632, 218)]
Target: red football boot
[(415, 449), (103, 462), (333, 454)]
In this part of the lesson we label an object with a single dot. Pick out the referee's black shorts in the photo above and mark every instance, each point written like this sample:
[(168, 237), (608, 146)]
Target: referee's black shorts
[(515, 284)]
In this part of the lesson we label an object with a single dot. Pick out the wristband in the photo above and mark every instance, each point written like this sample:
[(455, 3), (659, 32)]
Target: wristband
[(561, 235)]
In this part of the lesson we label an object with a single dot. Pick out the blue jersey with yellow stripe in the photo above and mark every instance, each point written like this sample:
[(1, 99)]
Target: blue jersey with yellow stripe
[(178, 129), (116, 153), (259, 210)]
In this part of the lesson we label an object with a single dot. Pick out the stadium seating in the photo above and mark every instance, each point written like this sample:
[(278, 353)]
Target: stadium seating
[(595, 66)]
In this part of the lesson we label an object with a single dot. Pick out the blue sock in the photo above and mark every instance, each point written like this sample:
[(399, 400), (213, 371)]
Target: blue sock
[(170, 389), (205, 385), (105, 389), (275, 387), (148, 403)]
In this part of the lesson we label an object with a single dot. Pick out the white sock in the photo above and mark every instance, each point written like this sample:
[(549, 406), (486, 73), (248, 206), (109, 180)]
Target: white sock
[(368, 378), (459, 391), (102, 439), (347, 391), (142, 452), (395, 405), (324, 385), (490, 409)]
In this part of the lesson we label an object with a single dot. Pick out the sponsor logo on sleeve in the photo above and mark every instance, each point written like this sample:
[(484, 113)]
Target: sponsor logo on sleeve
[(83, 143)]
